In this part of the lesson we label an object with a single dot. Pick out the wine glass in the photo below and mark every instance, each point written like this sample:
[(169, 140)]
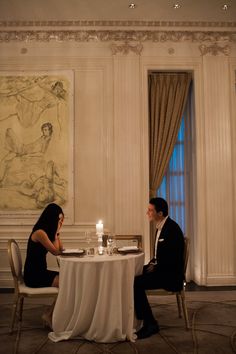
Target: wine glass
[(110, 244), (88, 238)]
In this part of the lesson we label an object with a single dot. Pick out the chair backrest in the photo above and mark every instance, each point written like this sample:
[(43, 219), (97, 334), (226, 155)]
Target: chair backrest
[(186, 253), (15, 261), (128, 240)]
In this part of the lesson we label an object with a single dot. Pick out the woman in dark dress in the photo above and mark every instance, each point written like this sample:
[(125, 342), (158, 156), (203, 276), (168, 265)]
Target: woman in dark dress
[(44, 238)]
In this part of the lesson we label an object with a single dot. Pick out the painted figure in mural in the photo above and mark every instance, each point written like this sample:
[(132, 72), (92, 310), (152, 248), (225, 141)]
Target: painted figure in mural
[(17, 149), (45, 189), (28, 98), (38, 146), (44, 238)]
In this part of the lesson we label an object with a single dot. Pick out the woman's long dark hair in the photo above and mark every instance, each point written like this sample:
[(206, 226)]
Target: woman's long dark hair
[(48, 220)]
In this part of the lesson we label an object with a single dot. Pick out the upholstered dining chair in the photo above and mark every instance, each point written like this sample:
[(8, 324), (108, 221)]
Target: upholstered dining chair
[(21, 290), (180, 295)]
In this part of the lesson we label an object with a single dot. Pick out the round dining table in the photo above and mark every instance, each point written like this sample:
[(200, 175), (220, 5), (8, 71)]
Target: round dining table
[(95, 299)]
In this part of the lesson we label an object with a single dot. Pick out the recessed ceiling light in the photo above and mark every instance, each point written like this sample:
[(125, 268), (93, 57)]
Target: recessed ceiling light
[(132, 6), (176, 6), (225, 7)]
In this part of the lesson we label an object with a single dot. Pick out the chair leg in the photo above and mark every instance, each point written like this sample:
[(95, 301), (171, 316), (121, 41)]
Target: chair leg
[(179, 305), (20, 310), (14, 311), (21, 304), (185, 310)]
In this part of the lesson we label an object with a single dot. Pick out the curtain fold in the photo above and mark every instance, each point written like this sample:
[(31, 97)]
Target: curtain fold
[(168, 94)]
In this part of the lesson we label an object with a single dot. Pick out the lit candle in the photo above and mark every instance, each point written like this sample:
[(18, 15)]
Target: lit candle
[(99, 228)]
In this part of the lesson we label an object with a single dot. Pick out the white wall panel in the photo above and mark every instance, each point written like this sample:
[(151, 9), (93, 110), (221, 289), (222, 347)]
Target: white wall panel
[(93, 147), (219, 191), (127, 170)]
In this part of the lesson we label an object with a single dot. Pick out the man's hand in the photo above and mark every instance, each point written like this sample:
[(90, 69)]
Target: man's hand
[(150, 268)]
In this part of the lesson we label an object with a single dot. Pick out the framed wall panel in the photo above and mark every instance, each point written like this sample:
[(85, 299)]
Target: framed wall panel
[(36, 143)]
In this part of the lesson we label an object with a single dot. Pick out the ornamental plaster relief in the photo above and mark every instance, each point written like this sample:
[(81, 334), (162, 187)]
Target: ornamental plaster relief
[(126, 48), (117, 35), (214, 49), (117, 23)]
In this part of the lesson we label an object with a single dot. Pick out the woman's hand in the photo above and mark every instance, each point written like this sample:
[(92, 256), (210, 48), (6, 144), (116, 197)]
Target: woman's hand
[(57, 243)]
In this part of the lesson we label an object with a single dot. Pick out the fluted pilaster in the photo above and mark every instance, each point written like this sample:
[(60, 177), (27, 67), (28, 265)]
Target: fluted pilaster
[(218, 150)]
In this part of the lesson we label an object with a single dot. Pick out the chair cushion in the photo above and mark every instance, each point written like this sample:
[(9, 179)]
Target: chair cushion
[(51, 290)]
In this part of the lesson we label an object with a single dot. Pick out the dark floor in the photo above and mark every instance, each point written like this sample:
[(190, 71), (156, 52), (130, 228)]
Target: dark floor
[(191, 286), (212, 316)]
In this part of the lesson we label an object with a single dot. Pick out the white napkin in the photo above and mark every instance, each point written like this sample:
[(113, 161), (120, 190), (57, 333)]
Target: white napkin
[(128, 248), (72, 250)]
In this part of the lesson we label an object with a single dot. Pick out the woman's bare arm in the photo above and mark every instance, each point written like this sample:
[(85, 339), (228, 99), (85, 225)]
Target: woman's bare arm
[(42, 237)]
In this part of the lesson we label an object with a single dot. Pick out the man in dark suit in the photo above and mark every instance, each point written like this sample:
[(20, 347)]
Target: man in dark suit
[(165, 270)]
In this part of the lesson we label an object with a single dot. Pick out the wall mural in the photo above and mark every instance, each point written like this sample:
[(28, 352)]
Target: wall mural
[(35, 122)]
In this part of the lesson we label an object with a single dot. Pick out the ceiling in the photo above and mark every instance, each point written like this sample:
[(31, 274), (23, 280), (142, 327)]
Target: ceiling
[(156, 10)]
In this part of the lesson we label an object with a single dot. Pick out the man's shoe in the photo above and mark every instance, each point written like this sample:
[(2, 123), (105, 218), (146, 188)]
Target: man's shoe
[(148, 331)]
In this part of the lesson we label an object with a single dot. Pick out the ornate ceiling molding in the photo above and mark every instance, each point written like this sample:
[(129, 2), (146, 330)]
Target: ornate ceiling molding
[(214, 49), (117, 23), (118, 35)]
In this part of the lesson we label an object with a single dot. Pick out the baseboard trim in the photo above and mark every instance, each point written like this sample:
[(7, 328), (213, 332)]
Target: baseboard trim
[(192, 286)]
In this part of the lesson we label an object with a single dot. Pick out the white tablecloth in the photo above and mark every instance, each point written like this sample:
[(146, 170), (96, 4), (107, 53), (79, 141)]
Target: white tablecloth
[(95, 299)]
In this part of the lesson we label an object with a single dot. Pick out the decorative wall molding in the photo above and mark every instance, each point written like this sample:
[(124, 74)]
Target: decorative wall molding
[(116, 23), (117, 35), (126, 48), (214, 49)]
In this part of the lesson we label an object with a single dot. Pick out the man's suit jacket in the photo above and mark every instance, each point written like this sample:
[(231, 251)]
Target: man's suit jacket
[(170, 256)]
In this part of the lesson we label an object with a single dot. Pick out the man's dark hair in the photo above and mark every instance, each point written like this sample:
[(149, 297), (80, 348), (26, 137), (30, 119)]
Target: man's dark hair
[(160, 204)]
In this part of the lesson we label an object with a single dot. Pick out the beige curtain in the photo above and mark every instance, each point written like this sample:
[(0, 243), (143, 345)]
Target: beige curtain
[(167, 98)]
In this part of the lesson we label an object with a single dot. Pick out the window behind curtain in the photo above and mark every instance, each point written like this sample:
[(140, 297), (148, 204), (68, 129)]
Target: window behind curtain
[(172, 187), (176, 183)]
